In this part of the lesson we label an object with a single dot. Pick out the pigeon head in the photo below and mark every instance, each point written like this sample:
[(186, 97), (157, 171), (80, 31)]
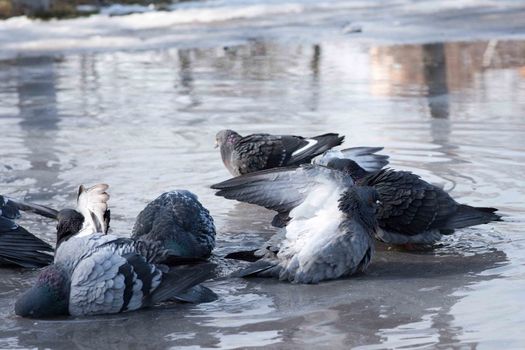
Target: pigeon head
[(226, 138), (69, 224), (49, 296), (347, 166), (360, 202)]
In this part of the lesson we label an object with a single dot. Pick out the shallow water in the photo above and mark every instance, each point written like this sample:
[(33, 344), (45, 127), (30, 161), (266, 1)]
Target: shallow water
[(144, 120)]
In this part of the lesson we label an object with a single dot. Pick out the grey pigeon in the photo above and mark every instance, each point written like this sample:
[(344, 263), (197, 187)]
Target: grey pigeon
[(282, 189), (329, 236), (243, 155), (18, 247), (104, 274), (179, 221)]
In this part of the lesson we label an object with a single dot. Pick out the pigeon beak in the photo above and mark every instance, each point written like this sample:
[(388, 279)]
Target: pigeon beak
[(216, 144)]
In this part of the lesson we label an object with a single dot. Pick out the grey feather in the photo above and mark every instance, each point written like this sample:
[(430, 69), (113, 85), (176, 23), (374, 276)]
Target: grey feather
[(279, 189), (332, 240), (104, 274), (365, 157), (179, 222)]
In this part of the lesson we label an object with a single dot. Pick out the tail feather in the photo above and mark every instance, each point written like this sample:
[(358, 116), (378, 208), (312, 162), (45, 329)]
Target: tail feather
[(322, 144), (197, 294), (365, 157), (254, 269), (178, 280), (470, 216)]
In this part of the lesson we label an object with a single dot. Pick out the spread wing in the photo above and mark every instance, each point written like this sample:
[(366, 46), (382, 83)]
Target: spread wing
[(92, 204), (17, 245), (279, 189)]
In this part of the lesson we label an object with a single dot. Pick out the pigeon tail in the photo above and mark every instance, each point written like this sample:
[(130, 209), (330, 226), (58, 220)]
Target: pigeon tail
[(177, 281), (197, 294), (316, 146), (471, 216), (258, 268), (365, 157)]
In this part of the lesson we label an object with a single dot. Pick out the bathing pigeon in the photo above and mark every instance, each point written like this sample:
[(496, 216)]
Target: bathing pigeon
[(416, 212), (242, 155), (104, 274), (179, 221), (18, 247), (91, 214), (330, 235)]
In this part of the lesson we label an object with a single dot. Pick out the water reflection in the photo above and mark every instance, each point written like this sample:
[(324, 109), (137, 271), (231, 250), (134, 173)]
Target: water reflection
[(38, 115), (435, 74)]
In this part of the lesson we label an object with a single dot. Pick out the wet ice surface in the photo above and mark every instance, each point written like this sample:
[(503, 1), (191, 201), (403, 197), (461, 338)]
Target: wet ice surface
[(144, 122)]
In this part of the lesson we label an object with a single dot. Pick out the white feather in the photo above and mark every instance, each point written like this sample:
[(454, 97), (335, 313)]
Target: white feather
[(314, 224), (92, 204), (365, 157), (311, 143)]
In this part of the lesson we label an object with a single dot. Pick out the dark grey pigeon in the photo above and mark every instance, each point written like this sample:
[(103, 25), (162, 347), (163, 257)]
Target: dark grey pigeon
[(18, 247), (243, 155), (179, 221), (104, 274), (414, 211), (330, 236)]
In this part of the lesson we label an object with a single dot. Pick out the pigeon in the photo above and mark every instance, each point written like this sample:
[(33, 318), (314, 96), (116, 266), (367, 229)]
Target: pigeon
[(18, 247), (91, 214), (414, 211), (179, 221), (282, 189), (104, 274), (243, 155), (330, 236)]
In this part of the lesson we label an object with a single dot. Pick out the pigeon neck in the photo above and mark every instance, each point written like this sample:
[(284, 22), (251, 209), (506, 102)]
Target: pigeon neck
[(69, 224), (356, 208), (48, 297), (232, 138)]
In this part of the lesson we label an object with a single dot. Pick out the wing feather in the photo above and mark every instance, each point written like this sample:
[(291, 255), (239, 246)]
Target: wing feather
[(280, 189), (92, 204)]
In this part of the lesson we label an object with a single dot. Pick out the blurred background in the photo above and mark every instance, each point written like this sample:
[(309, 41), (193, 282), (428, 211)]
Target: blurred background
[(132, 93)]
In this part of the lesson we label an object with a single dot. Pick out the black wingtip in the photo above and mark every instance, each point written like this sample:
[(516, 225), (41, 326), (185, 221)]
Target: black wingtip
[(19, 247), (35, 208)]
